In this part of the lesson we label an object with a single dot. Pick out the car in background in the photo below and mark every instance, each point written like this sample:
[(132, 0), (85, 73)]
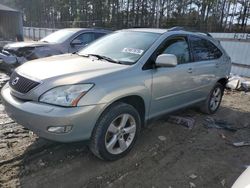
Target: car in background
[(109, 90), (60, 42)]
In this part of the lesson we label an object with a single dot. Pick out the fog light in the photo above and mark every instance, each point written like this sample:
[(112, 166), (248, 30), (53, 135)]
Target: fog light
[(60, 129)]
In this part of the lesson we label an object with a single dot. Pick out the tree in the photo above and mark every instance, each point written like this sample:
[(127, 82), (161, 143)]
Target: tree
[(206, 15)]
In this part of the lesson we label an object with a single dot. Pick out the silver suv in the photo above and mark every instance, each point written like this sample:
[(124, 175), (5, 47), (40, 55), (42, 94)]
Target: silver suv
[(109, 90)]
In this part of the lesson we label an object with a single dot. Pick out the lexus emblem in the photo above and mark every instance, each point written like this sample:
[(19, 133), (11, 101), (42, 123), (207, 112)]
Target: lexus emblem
[(14, 82)]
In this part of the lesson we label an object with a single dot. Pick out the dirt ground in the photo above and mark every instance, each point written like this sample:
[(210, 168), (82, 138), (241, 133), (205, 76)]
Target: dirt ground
[(173, 161)]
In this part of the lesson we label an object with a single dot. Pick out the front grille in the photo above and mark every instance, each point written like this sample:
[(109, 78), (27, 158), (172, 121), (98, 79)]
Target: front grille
[(21, 84)]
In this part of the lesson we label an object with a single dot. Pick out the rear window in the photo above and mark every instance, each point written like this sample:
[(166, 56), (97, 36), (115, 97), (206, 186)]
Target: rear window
[(204, 50)]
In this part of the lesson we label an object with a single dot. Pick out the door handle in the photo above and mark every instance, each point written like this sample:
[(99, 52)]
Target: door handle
[(217, 65), (190, 70)]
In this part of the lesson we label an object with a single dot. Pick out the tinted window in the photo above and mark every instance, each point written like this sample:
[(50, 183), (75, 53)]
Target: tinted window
[(204, 49), (98, 35), (178, 47), (86, 38)]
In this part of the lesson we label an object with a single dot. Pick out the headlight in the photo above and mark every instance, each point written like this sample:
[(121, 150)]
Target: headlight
[(68, 95)]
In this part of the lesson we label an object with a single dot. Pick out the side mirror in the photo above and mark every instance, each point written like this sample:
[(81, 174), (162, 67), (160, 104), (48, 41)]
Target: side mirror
[(76, 42), (166, 60)]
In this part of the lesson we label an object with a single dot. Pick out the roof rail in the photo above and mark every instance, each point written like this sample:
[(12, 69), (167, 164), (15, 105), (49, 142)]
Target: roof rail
[(179, 28)]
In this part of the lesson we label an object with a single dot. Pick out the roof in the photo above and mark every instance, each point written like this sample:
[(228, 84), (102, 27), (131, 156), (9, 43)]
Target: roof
[(150, 30), (173, 29), (73, 29), (5, 8), (87, 29)]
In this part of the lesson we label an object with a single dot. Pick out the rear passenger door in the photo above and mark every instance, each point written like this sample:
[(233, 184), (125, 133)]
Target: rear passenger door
[(206, 58)]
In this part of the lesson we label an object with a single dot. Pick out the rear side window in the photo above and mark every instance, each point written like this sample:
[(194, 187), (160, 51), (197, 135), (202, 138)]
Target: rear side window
[(204, 50)]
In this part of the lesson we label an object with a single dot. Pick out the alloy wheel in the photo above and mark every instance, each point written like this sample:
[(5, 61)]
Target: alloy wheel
[(120, 134), (215, 99)]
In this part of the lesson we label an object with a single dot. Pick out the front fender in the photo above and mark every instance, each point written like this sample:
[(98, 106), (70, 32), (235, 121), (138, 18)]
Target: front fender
[(108, 91)]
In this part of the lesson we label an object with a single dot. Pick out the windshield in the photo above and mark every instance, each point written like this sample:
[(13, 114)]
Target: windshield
[(58, 36), (125, 46)]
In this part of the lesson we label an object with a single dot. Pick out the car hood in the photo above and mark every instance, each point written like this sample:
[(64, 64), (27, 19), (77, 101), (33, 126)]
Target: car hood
[(67, 65), (17, 45)]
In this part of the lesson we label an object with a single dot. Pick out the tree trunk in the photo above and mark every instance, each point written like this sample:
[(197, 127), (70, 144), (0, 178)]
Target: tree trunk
[(222, 14), (127, 13), (245, 5)]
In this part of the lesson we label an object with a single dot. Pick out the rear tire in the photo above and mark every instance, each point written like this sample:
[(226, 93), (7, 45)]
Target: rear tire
[(115, 132), (212, 103)]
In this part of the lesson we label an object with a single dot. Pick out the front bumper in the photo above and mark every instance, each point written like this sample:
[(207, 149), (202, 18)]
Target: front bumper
[(38, 117)]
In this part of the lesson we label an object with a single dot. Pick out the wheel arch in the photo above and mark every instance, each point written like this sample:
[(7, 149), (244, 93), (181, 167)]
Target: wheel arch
[(134, 100), (223, 81)]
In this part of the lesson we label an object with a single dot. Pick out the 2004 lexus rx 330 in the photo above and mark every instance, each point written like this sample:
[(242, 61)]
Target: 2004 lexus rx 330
[(106, 92)]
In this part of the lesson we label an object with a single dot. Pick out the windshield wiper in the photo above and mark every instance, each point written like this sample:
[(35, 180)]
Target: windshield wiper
[(105, 58)]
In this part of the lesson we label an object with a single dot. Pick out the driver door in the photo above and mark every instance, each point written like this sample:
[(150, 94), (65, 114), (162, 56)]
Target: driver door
[(172, 86)]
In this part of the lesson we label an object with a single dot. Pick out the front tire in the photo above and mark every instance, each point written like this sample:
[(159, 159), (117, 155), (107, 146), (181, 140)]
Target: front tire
[(212, 103), (115, 132)]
